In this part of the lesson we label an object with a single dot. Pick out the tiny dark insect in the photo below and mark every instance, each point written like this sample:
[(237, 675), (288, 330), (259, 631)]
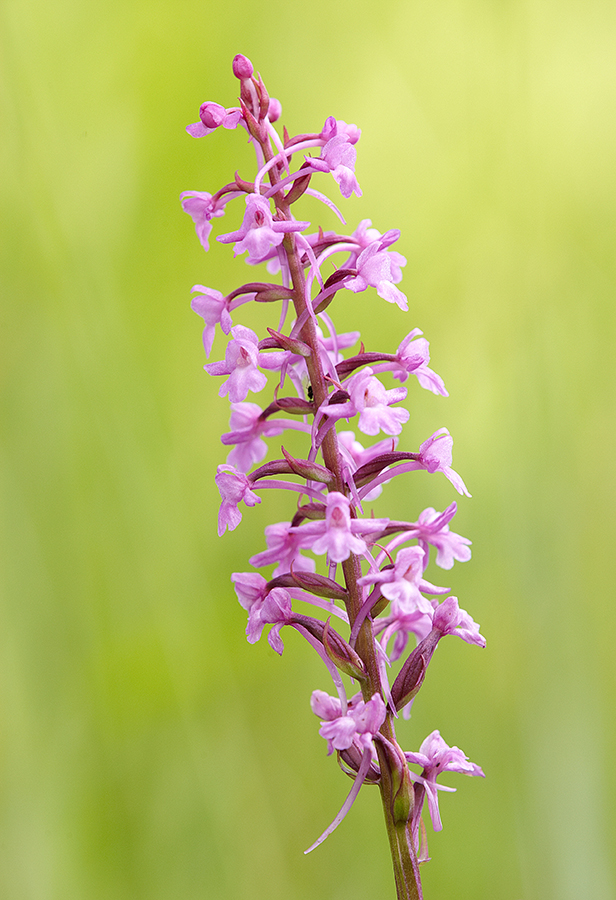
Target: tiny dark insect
[(310, 393)]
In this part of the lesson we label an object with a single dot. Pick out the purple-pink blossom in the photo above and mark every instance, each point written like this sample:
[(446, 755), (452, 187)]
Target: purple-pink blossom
[(214, 310), (201, 209), (361, 721), (450, 619), (234, 488), (339, 535), (259, 231), (433, 528), (241, 364), (403, 583), (335, 127), (435, 456), (212, 116), (373, 403), (437, 757), (379, 268), (412, 357), (410, 612), (264, 607), (369, 399), (248, 431), (338, 156), (283, 547)]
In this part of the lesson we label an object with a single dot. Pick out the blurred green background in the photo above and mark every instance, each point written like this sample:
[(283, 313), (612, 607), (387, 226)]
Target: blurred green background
[(146, 750)]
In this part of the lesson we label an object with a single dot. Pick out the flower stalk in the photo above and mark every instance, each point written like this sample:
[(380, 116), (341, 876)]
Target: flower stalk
[(381, 597)]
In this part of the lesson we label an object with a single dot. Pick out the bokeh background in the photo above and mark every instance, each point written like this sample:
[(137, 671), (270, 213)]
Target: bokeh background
[(147, 752)]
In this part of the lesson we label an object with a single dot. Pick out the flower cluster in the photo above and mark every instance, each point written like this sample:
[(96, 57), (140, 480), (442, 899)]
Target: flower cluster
[(373, 582)]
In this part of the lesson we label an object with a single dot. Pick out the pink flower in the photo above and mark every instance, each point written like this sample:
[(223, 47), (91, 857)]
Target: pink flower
[(214, 310), (338, 534), (403, 582), (361, 722), (241, 364), (373, 403), (335, 127), (263, 607), (379, 268), (259, 232), (401, 622), (433, 528), (284, 547), (450, 619), (338, 157), (435, 456), (199, 206), (412, 357), (234, 487), (437, 757), (410, 611), (247, 435), (212, 116)]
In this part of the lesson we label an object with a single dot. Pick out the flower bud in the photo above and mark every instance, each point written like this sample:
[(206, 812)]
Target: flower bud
[(293, 345), (315, 584), (339, 651), (212, 114), (275, 110), (447, 616), (242, 67), (312, 471)]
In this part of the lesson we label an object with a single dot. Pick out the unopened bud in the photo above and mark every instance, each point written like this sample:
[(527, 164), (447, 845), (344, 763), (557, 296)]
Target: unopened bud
[(242, 67), (312, 471), (341, 654), (315, 584), (275, 110), (404, 798), (212, 114), (293, 345), (447, 616)]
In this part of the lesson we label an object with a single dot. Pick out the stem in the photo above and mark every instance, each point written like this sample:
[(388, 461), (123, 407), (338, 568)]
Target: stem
[(404, 857)]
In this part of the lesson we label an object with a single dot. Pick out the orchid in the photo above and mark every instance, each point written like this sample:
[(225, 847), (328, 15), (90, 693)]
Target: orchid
[(214, 310), (372, 402), (437, 757), (234, 487), (212, 116), (435, 456), (433, 528), (364, 572), (379, 268), (360, 722), (201, 207), (338, 157), (241, 364), (339, 535), (284, 545), (259, 232)]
